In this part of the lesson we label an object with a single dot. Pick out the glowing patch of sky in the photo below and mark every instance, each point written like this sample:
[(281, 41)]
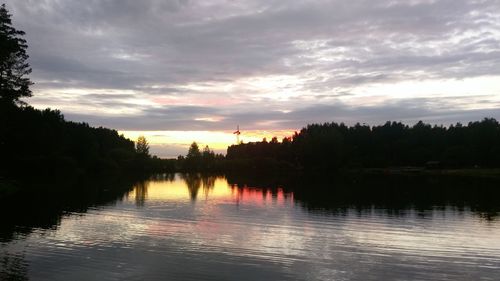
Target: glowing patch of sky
[(76, 100), (179, 141), (468, 89)]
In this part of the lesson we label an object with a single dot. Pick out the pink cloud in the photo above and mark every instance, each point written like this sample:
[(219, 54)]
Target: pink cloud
[(197, 101)]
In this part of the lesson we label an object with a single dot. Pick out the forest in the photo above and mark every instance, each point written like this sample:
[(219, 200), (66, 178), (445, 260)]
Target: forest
[(42, 143), (38, 145), (333, 146)]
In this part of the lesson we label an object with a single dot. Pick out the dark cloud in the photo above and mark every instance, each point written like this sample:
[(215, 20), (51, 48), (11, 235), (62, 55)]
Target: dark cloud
[(408, 111)]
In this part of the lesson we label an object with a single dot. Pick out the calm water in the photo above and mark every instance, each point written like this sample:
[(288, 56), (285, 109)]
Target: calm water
[(203, 228)]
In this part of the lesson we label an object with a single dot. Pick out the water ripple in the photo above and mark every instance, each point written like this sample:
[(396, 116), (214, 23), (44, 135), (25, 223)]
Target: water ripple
[(252, 235)]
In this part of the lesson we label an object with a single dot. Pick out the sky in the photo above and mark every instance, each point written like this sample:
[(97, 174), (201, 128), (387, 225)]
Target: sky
[(180, 71)]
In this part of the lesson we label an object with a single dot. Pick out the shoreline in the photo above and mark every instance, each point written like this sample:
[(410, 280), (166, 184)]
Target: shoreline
[(422, 171)]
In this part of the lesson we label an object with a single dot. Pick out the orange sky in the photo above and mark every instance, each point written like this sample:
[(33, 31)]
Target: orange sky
[(170, 144)]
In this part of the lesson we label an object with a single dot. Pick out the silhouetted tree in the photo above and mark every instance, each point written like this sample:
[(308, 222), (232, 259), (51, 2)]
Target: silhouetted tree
[(194, 151), (142, 146), (14, 83), (207, 158), (200, 161), (207, 152), (193, 158), (332, 146)]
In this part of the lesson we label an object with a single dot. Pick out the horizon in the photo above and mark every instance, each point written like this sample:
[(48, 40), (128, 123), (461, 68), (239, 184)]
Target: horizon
[(177, 142), (182, 71)]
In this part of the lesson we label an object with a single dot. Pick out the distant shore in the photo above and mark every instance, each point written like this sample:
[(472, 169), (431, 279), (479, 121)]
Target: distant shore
[(460, 172)]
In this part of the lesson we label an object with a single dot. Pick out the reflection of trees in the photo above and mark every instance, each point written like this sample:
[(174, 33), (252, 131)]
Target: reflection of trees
[(195, 181), (44, 211), (13, 267), (208, 184), (141, 193), (396, 195), (170, 177)]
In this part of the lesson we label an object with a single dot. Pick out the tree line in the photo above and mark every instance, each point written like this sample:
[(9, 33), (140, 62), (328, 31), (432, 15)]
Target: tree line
[(333, 146), (197, 160), (38, 144), (42, 143)]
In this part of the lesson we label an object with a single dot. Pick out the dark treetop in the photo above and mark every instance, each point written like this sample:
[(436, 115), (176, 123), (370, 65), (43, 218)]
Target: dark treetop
[(14, 68), (331, 146)]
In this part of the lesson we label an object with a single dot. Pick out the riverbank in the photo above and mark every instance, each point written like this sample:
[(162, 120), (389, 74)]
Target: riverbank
[(422, 171), (65, 188)]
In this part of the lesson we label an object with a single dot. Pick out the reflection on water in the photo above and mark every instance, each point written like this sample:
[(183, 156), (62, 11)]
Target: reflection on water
[(189, 186), (194, 227)]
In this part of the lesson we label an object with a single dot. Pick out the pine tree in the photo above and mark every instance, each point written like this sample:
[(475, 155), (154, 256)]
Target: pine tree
[(14, 83), (142, 146), (194, 152)]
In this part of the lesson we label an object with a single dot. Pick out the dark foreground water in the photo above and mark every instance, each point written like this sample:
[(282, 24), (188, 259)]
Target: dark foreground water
[(203, 228)]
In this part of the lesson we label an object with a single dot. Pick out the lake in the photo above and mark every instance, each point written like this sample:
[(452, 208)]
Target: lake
[(193, 227)]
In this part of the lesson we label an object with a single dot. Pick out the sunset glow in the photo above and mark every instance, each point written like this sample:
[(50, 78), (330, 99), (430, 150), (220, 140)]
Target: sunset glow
[(191, 71), (171, 144)]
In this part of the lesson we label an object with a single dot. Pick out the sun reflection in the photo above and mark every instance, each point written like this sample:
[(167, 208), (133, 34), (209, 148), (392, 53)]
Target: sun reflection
[(197, 187), (261, 197)]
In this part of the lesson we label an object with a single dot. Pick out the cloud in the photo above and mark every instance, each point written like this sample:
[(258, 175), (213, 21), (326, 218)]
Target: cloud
[(158, 64), (192, 118)]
